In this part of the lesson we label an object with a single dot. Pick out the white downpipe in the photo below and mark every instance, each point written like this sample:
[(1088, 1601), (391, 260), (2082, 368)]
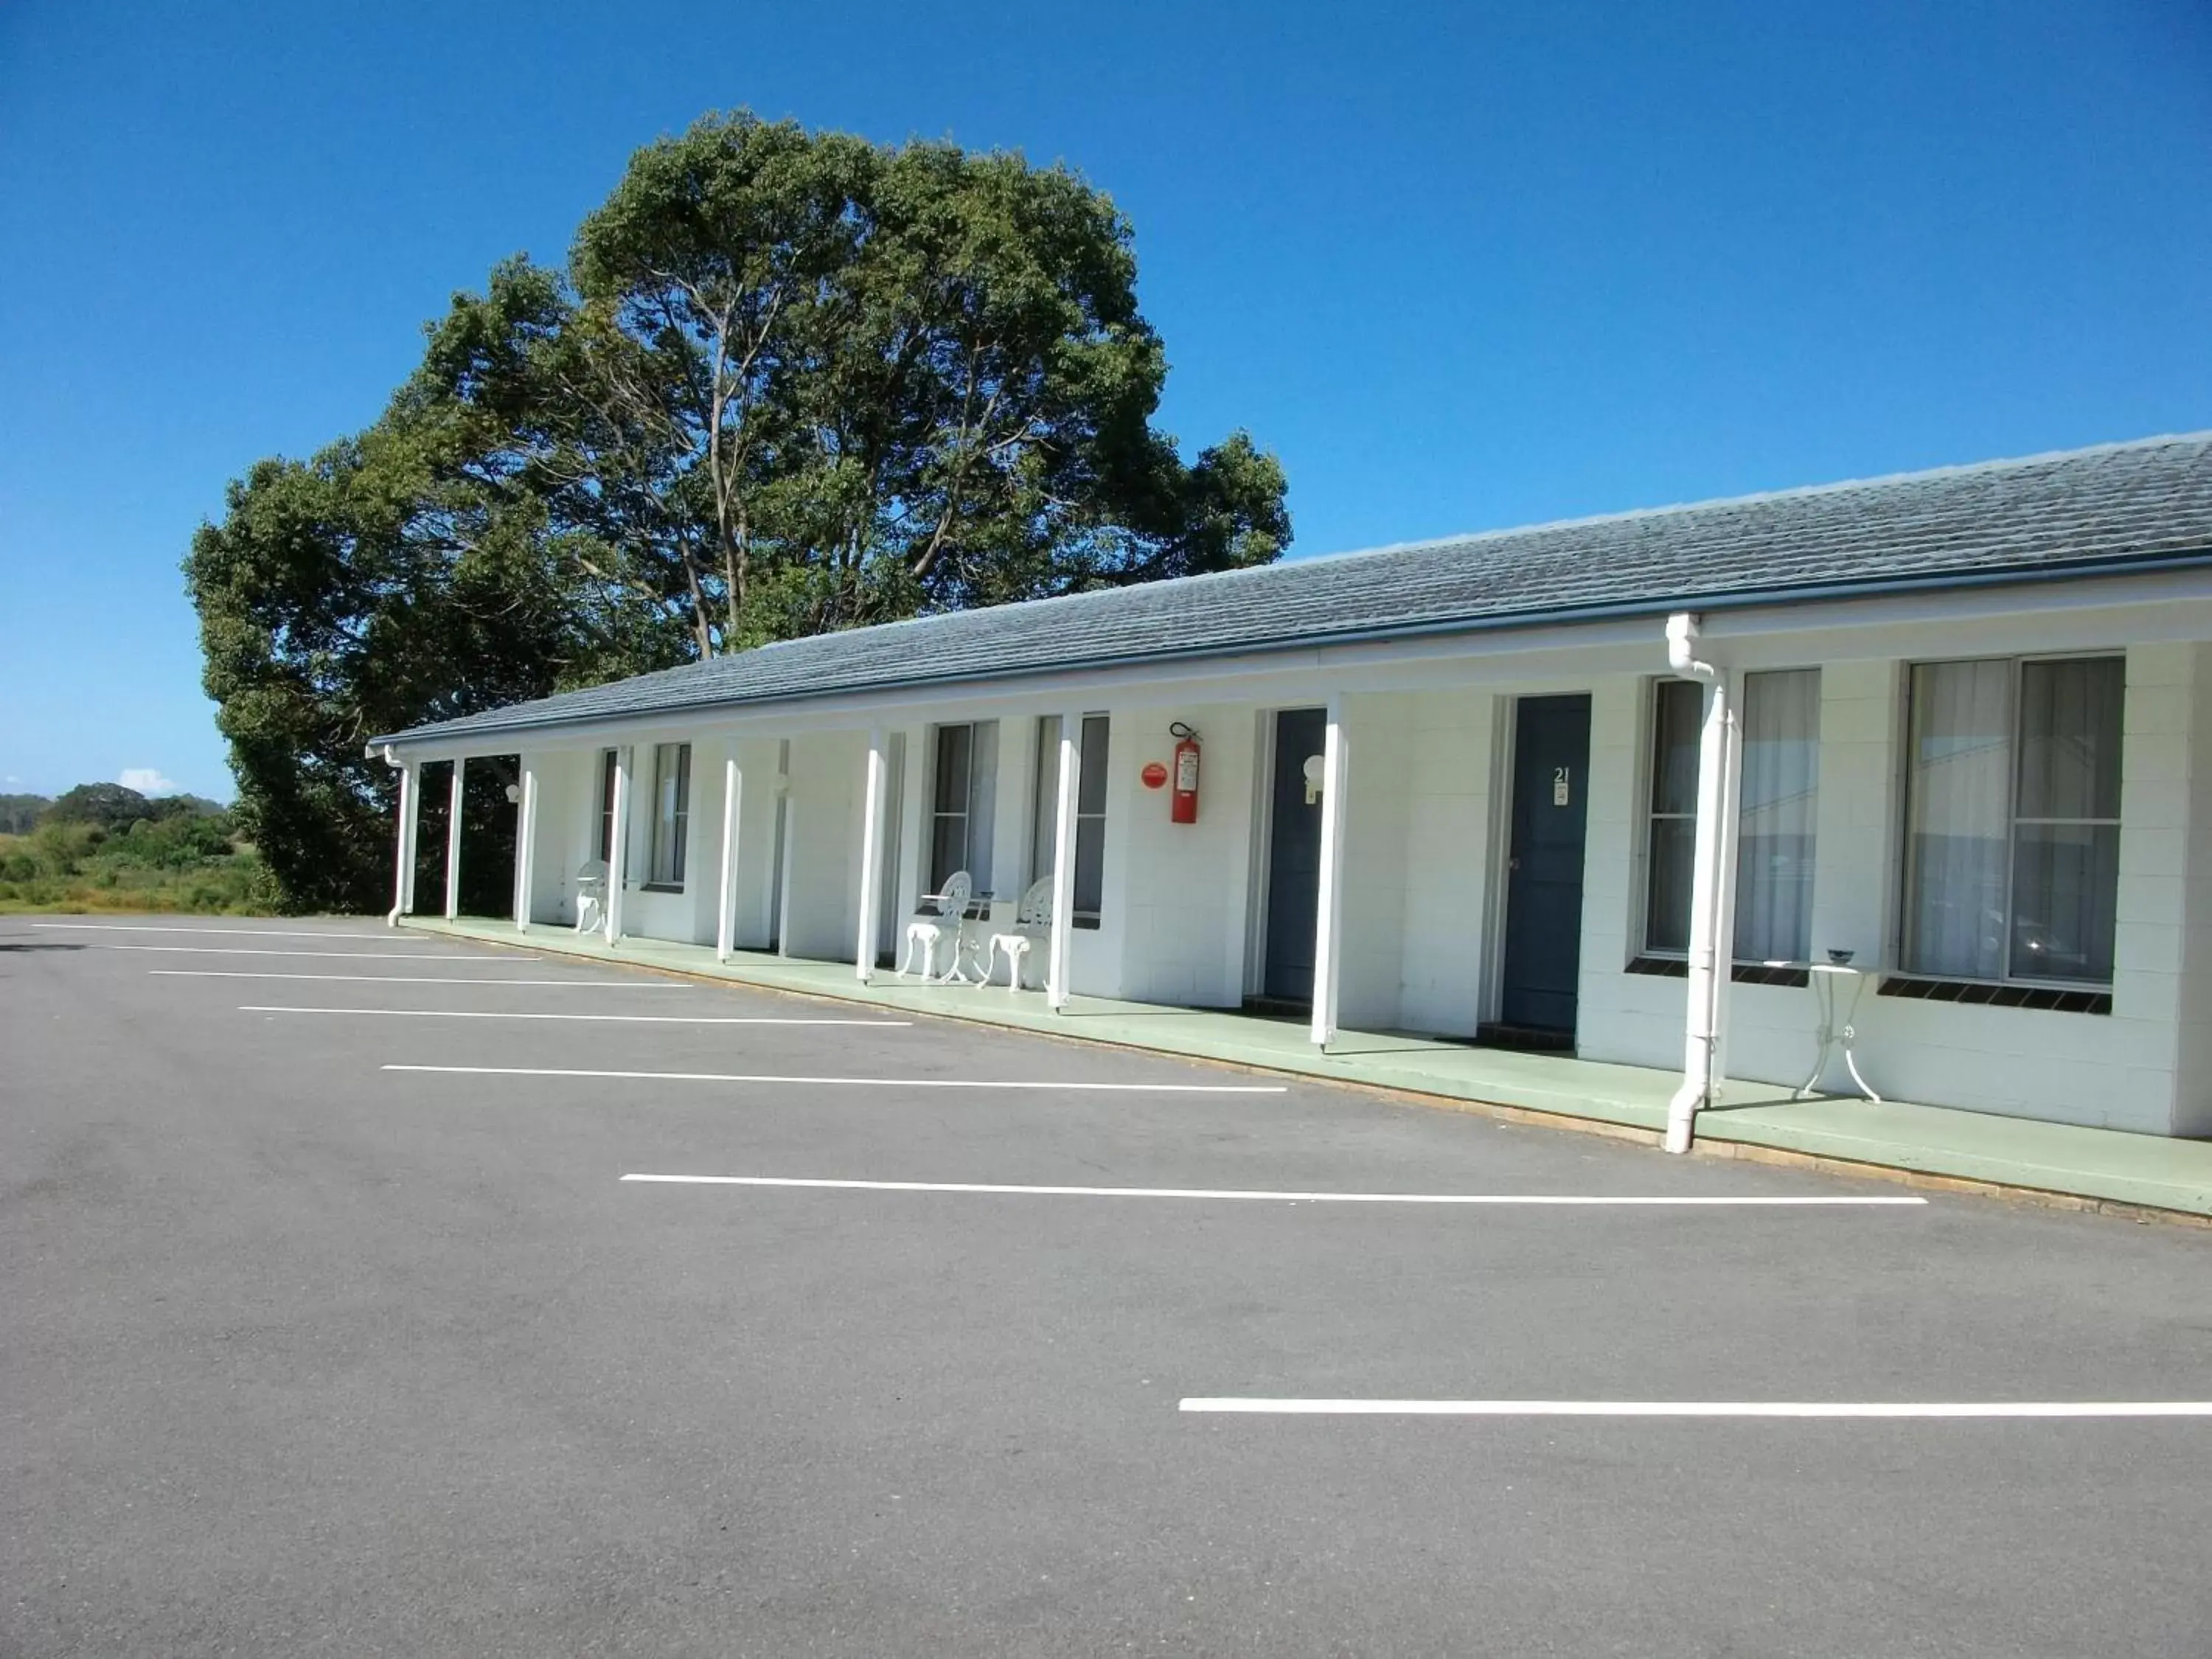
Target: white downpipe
[(453, 844), (1328, 907), (1063, 861), (403, 874), (872, 859), (618, 849), (526, 848), (1712, 885), (726, 915)]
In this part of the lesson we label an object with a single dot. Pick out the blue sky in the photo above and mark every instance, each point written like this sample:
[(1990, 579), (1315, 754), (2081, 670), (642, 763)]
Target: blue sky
[(1464, 266)]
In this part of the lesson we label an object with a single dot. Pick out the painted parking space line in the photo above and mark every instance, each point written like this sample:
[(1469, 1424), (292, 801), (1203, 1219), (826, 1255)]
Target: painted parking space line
[(235, 933), (859, 1082), (1562, 1199), (423, 979), (625, 1019), (348, 956), (1703, 1408)]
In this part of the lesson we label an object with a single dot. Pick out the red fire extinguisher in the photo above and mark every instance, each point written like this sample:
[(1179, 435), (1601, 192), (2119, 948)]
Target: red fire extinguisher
[(1183, 807)]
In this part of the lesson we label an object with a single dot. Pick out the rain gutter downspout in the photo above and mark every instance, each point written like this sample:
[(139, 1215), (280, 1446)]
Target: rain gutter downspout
[(1713, 884)]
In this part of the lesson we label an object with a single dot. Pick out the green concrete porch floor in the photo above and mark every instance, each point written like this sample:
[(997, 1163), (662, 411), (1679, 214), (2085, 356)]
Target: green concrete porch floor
[(2100, 1164)]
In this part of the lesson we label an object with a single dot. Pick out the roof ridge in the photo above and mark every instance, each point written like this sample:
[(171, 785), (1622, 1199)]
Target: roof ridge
[(1793, 492)]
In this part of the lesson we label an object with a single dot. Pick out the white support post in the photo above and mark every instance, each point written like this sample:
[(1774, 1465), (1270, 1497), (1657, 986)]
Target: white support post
[(1063, 861), (402, 875), (726, 915), (1712, 887), (618, 848), (788, 810), (871, 860), (453, 844), (526, 847), (1328, 908)]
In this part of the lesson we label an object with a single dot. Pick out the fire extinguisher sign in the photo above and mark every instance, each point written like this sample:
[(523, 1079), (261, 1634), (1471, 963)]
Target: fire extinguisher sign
[(1183, 799)]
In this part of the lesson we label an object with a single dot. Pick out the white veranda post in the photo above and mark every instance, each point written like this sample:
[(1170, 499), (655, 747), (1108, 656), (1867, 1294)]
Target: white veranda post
[(402, 875), (526, 847), (453, 844), (725, 913), (1328, 909), (1712, 887), (872, 828), (1063, 860), (618, 846)]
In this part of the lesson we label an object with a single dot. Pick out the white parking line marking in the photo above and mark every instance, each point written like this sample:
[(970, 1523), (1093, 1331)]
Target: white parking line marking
[(628, 1019), (348, 955), (1560, 1198), (412, 979), (241, 932), (860, 1082), (1862, 1409)]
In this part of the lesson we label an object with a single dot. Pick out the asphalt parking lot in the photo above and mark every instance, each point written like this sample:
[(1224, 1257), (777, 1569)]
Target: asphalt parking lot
[(333, 1324)]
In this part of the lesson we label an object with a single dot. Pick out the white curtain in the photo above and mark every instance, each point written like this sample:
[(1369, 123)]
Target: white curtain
[(1780, 794), (1959, 814), (2066, 846)]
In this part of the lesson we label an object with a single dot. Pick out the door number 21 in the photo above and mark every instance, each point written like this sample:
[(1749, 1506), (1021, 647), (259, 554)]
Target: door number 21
[(1560, 785)]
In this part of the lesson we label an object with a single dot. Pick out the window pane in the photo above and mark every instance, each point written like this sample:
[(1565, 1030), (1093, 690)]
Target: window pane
[(2069, 739), (1957, 822), (1045, 805), (683, 811), (671, 764), (2065, 885), (982, 799), (948, 853), (1091, 795), (1678, 709), (606, 804), (1779, 796), (952, 752), (1090, 866), (1667, 906)]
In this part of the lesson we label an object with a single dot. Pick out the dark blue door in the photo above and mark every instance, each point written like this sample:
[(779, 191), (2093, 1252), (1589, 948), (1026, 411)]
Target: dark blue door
[(1544, 882), (1293, 859)]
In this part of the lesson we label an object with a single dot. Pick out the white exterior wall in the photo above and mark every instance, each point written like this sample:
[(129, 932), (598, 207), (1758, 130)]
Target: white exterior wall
[(564, 777), (822, 854), (1183, 888), (1450, 801), (2190, 853), (1425, 818)]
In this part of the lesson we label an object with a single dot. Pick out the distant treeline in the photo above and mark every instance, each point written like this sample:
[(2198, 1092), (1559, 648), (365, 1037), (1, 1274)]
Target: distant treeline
[(107, 804), (102, 847)]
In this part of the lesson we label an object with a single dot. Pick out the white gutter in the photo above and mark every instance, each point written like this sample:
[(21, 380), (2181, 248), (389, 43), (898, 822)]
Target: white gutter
[(1712, 885), (402, 875)]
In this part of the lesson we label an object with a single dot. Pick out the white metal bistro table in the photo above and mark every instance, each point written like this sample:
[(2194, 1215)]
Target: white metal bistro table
[(967, 967), (1827, 978)]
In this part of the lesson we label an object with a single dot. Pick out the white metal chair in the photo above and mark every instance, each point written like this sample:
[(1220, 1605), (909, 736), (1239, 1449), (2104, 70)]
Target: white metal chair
[(1032, 924), (931, 926), (591, 882)]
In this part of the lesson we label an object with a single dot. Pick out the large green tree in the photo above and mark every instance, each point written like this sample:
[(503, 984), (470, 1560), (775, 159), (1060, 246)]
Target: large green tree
[(788, 382), (793, 382)]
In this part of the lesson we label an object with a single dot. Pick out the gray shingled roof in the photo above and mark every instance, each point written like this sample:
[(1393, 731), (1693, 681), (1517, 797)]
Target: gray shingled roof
[(2092, 509)]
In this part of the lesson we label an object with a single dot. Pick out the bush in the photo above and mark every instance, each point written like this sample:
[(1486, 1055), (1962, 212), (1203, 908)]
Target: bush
[(185, 862)]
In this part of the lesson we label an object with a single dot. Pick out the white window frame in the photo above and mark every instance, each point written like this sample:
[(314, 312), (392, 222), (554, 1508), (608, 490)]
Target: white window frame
[(671, 816), (1650, 816), (1907, 864), (1090, 826), (977, 810)]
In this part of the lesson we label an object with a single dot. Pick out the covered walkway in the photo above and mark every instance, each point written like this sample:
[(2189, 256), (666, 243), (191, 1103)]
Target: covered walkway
[(2089, 1166)]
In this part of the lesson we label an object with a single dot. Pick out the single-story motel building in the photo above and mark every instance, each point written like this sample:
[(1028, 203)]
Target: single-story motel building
[(1930, 754)]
